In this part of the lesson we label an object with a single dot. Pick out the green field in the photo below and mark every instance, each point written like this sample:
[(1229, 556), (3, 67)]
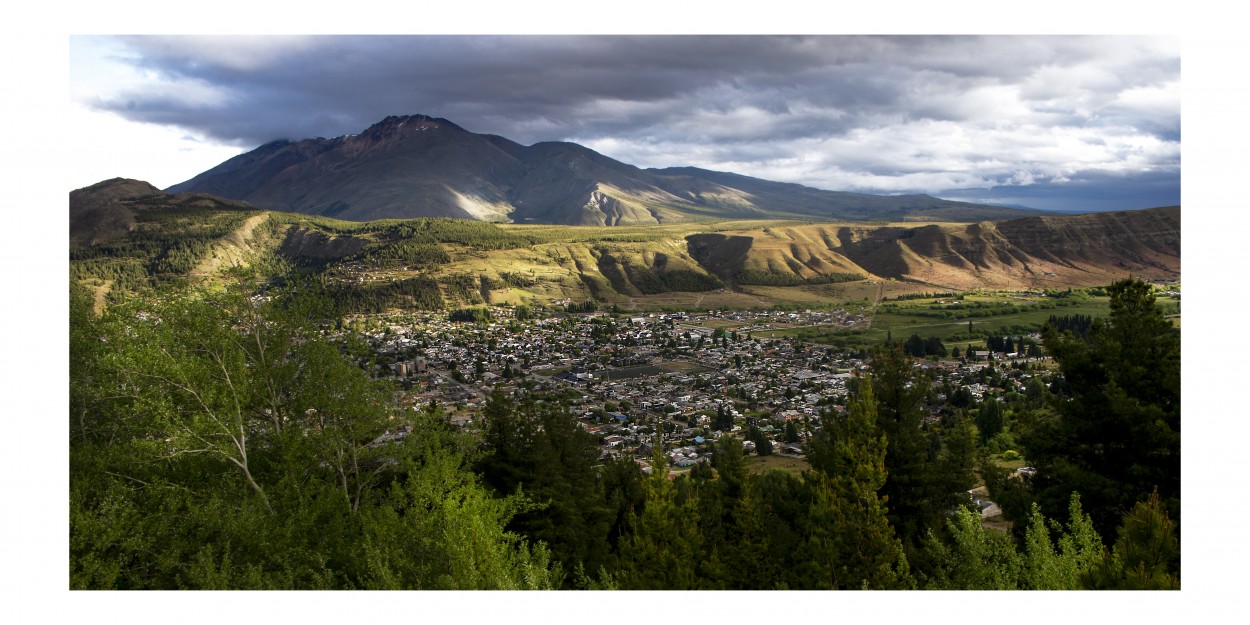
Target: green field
[(1011, 314), (902, 325), (761, 464), (1001, 314)]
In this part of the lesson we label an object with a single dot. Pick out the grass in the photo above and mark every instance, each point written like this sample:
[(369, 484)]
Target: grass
[(997, 459), (902, 325), (762, 464)]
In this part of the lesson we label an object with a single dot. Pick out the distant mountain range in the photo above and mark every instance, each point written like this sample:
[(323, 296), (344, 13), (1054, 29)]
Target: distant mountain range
[(417, 166)]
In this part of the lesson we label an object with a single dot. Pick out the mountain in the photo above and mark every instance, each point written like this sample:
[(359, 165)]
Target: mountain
[(126, 234), (418, 166)]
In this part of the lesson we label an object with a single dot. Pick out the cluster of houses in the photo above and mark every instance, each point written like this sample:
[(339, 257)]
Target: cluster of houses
[(691, 377)]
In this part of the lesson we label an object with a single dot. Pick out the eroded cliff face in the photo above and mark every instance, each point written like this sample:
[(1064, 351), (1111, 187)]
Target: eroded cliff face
[(1029, 252)]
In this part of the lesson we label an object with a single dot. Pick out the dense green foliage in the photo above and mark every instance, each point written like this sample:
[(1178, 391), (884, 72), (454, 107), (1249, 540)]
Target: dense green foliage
[(1146, 554), (972, 557), (418, 293), (1078, 325), (217, 444), (928, 463), (220, 440), (467, 232), (965, 309), (849, 535), (471, 315), (1114, 435), (410, 253), (537, 448), (918, 347)]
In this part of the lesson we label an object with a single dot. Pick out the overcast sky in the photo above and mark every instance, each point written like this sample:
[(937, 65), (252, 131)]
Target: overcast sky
[(1079, 123)]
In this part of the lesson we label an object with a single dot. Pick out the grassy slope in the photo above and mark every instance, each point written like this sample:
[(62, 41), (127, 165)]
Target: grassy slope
[(622, 265)]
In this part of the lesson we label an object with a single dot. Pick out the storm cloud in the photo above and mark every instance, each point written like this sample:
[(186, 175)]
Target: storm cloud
[(1083, 122)]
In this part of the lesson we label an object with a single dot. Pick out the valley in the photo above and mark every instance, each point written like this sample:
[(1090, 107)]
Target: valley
[(935, 344)]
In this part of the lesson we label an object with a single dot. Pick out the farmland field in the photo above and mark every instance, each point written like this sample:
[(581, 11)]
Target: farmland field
[(1028, 315), (948, 318)]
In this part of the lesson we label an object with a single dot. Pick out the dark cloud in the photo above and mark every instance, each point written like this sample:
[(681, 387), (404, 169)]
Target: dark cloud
[(884, 114)]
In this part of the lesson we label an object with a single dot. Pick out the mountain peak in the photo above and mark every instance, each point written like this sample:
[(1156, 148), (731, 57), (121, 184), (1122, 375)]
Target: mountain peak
[(407, 124), (407, 166)]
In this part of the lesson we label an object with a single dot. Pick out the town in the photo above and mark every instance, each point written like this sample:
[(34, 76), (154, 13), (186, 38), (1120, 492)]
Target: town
[(693, 376)]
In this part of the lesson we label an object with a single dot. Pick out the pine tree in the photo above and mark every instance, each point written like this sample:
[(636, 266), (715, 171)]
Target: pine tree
[(925, 479), (792, 432), (662, 548), (1116, 437), (989, 418), (849, 541), (538, 449), (1146, 554)]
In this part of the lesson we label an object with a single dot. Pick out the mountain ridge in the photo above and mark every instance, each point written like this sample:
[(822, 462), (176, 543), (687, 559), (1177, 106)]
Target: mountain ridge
[(420, 166), (128, 230)]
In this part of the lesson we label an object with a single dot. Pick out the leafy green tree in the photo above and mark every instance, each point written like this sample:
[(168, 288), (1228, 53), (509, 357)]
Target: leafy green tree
[(1146, 554), (763, 446), (444, 531), (735, 546), (792, 432), (228, 444), (969, 556), (623, 491), (973, 558), (1036, 392), (1060, 565), (989, 419), (1115, 437)]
